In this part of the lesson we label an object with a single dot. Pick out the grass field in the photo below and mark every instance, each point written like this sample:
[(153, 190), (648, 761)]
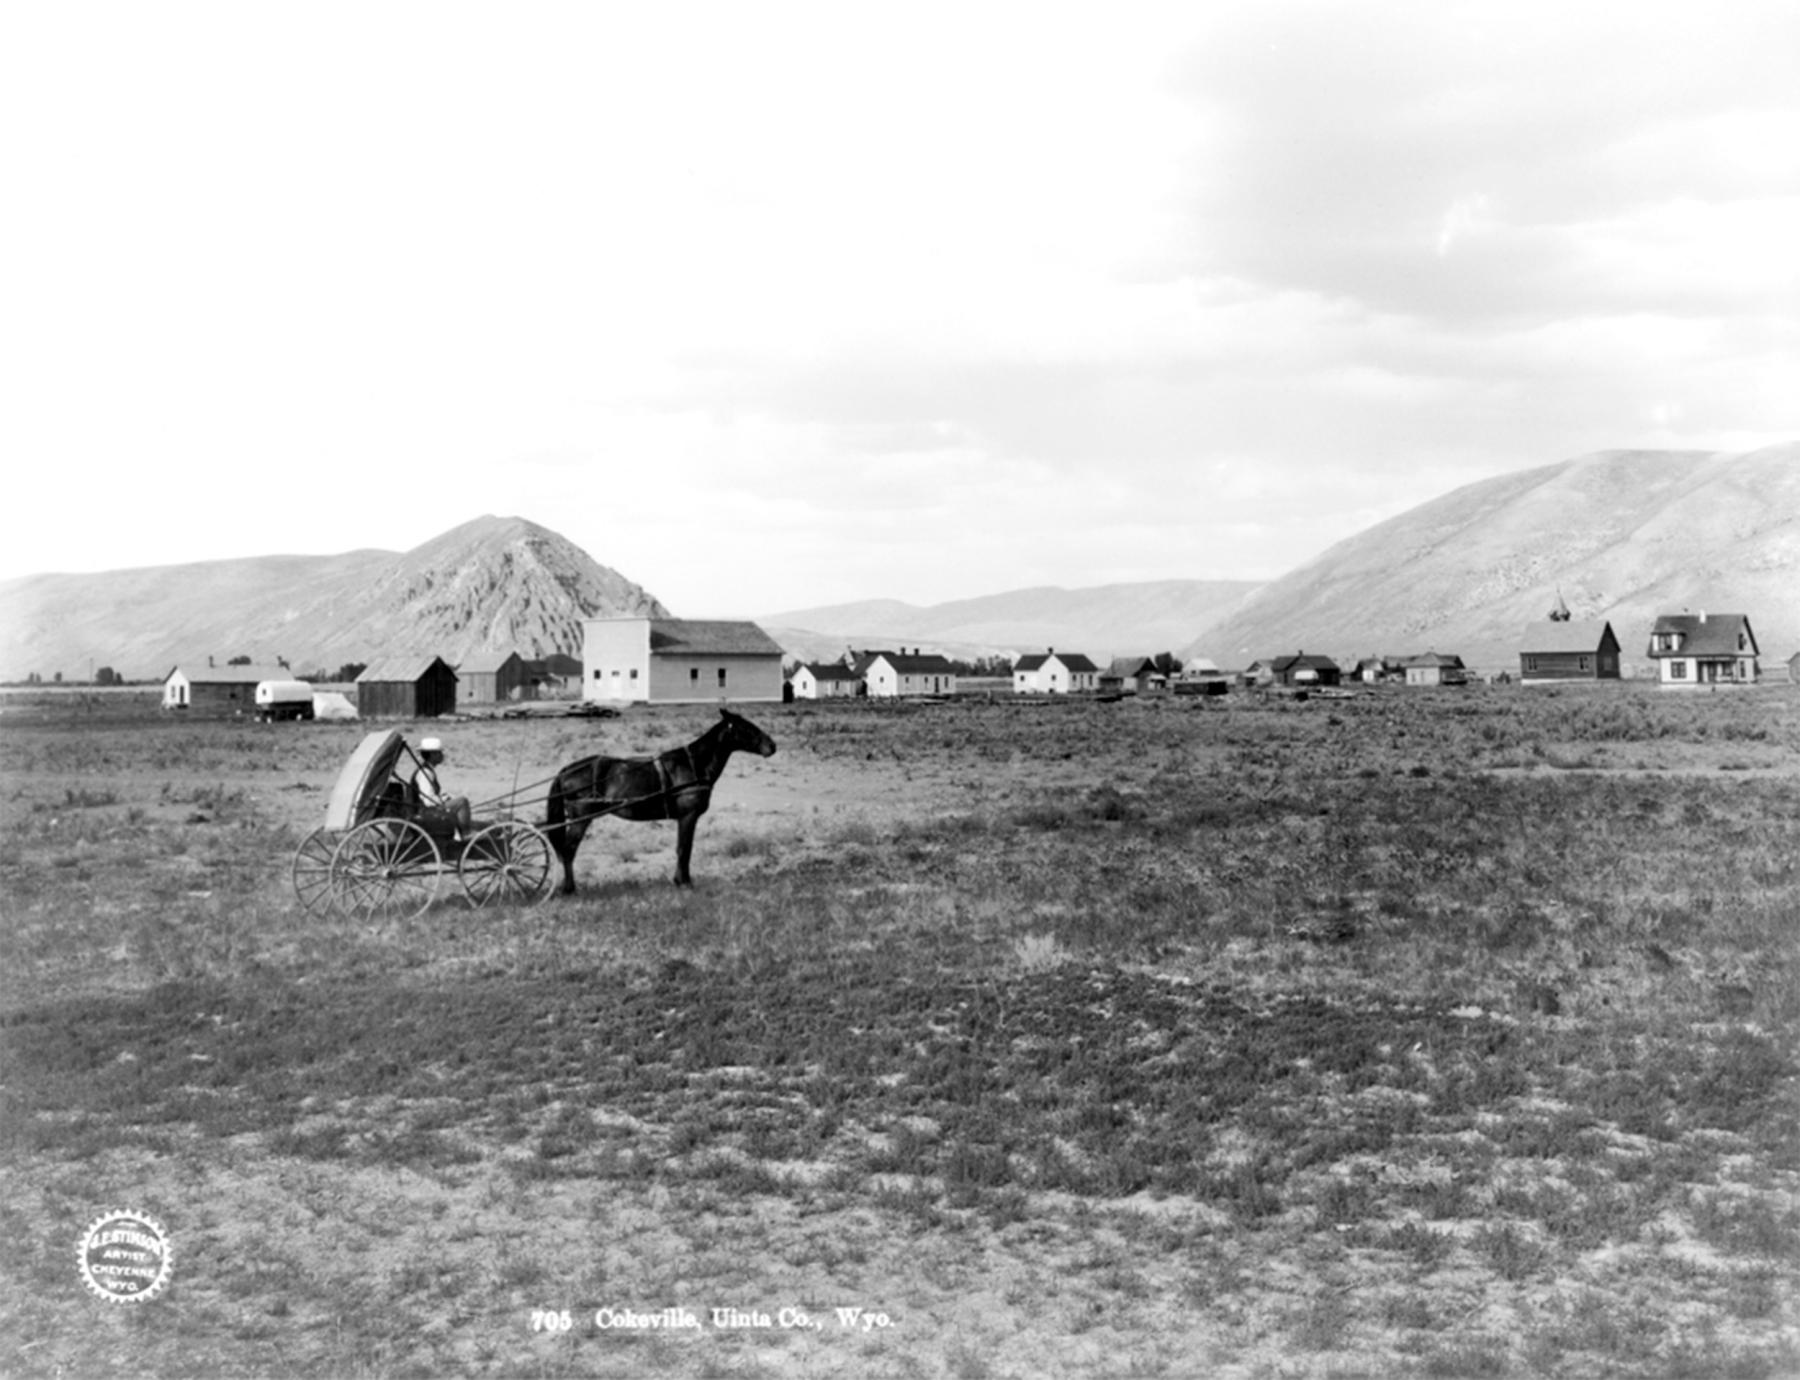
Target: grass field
[(1416, 1034)]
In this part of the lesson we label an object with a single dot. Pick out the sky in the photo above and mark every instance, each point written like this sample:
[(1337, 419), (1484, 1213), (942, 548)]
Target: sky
[(769, 306)]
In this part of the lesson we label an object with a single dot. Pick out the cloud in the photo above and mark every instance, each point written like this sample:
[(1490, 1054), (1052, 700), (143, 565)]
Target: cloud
[(822, 294)]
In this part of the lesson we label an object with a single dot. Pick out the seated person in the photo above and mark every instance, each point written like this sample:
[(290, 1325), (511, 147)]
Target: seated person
[(438, 813)]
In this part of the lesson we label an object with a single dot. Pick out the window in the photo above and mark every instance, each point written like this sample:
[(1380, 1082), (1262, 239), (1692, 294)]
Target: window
[(721, 678), (1585, 664), (598, 674), (693, 675), (1678, 670), (634, 671)]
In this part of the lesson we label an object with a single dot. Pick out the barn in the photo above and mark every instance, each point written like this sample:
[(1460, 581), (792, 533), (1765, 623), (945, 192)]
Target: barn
[(491, 677), (1561, 650), (406, 687), (217, 690), (679, 660)]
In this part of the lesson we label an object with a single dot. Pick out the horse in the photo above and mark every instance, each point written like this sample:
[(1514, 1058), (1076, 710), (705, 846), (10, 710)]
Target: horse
[(676, 785)]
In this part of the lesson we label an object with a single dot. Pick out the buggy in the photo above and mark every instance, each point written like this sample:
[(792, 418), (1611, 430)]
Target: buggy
[(379, 855)]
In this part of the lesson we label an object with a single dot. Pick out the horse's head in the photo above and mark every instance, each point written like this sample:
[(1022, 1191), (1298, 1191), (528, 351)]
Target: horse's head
[(740, 735)]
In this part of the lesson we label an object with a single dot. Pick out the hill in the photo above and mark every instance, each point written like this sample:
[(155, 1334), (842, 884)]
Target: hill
[(1103, 621), (1622, 535), (492, 583)]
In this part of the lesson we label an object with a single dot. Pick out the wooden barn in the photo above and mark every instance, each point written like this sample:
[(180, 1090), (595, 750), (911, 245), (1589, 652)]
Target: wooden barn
[(1561, 650), (406, 687), (679, 660), (492, 677), (217, 690)]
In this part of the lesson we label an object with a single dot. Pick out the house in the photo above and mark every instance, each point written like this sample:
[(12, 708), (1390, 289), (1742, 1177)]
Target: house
[(555, 674), (490, 677), (406, 687), (1055, 673), (1563, 650), (1380, 670), (1132, 675), (890, 674), (1435, 668), (1692, 649), (213, 689), (1304, 671), (678, 660), (829, 680)]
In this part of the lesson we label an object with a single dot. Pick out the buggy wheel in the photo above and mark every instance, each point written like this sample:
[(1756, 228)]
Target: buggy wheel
[(312, 868), (386, 869), (508, 861)]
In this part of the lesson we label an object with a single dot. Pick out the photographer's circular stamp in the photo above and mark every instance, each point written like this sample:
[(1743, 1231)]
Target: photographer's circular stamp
[(125, 1257)]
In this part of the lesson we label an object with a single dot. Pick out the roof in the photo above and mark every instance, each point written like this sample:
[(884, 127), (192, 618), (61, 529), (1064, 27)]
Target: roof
[(827, 670), (485, 661), (1303, 661), (1565, 637), (1124, 666), (914, 664), (405, 669), (1440, 659), (715, 637), (230, 675), (1073, 661), (1704, 634)]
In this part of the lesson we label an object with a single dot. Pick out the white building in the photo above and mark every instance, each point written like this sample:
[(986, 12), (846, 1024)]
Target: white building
[(830, 680), (677, 660), (1055, 673), (892, 674)]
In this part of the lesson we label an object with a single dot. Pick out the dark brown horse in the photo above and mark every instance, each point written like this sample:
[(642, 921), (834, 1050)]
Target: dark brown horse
[(673, 785)]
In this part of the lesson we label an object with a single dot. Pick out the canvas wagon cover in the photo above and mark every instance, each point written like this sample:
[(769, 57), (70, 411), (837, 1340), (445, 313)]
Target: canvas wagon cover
[(359, 783)]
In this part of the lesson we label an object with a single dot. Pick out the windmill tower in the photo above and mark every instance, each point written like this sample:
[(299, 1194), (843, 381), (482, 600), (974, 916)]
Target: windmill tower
[(1559, 614)]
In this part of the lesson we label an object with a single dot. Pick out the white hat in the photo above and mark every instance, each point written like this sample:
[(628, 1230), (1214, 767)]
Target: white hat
[(430, 745)]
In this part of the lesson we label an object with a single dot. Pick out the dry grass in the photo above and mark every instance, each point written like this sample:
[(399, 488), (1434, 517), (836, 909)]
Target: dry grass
[(1417, 1034)]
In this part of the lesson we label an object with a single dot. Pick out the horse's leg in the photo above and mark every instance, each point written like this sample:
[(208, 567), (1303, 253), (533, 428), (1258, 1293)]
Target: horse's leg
[(565, 837), (684, 846)]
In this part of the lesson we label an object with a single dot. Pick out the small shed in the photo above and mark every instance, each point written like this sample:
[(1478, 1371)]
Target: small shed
[(491, 677), (406, 687)]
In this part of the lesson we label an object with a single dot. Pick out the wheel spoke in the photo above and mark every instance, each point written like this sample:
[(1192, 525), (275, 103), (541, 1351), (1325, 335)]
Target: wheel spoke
[(508, 861)]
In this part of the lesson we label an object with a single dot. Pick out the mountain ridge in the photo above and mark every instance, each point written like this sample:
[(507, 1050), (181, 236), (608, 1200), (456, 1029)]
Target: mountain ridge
[(1620, 534), (487, 584)]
